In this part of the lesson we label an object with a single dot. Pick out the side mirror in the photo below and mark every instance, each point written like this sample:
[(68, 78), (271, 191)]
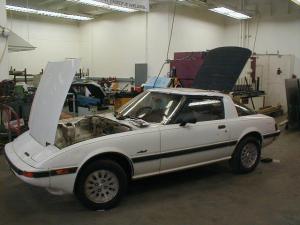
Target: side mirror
[(184, 122)]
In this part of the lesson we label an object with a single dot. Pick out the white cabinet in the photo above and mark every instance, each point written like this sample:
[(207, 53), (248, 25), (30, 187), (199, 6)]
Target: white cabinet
[(273, 70)]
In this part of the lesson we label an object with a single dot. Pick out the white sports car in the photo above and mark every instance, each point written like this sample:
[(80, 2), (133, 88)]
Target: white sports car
[(159, 131)]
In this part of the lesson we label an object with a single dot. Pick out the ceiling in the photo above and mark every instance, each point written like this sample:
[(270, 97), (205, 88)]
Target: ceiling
[(64, 6), (68, 7)]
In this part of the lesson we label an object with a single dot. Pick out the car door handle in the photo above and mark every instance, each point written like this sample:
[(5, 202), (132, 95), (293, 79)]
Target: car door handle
[(142, 151), (221, 127)]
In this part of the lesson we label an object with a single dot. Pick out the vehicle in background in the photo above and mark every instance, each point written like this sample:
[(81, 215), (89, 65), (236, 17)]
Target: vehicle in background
[(87, 94)]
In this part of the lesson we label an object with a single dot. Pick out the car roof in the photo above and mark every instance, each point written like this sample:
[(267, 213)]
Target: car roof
[(188, 91)]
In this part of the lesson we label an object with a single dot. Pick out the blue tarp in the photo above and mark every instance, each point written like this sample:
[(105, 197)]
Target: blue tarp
[(161, 82)]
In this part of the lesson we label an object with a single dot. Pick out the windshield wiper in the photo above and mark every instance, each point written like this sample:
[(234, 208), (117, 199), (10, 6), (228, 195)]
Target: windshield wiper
[(116, 114), (138, 121), (121, 117)]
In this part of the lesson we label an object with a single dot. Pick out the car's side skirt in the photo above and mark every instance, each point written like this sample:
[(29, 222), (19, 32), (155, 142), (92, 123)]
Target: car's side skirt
[(182, 152), (181, 168), (271, 135)]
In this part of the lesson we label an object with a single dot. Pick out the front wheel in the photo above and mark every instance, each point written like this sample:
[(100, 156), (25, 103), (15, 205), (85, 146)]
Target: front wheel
[(101, 185), (246, 155)]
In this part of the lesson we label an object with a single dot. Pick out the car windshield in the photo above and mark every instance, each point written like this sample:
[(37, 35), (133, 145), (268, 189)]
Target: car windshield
[(150, 106)]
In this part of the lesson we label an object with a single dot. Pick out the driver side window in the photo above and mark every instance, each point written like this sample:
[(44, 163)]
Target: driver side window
[(201, 109)]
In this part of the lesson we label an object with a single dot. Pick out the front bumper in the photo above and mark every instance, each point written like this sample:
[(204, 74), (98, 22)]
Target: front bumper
[(25, 172), (61, 179)]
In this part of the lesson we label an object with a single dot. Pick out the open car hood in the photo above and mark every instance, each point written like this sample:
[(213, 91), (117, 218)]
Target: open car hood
[(221, 68), (49, 100)]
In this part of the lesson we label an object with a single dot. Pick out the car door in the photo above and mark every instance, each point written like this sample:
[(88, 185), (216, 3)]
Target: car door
[(194, 143)]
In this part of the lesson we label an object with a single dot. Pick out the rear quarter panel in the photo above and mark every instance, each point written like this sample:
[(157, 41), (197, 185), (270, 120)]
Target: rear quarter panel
[(241, 126)]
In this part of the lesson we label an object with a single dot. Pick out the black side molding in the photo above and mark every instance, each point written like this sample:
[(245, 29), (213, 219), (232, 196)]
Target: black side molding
[(275, 134), (182, 152)]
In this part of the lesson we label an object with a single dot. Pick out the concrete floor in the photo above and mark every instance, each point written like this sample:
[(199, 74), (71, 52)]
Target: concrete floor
[(206, 195)]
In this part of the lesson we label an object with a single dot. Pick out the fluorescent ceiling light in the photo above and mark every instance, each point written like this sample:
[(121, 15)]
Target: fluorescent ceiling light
[(46, 13), (104, 5), (230, 13), (296, 1)]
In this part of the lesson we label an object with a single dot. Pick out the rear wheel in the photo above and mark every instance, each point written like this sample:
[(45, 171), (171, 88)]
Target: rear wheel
[(101, 185), (246, 155)]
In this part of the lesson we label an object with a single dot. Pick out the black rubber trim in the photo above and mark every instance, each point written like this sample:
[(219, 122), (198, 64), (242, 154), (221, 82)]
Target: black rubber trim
[(182, 152), (38, 174), (275, 134)]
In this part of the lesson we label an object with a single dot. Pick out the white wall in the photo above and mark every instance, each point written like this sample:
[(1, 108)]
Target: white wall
[(55, 40), (3, 44), (112, 44), (278, 30)]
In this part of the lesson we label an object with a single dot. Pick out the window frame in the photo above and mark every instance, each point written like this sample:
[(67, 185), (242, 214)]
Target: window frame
[(242, 107), (186, 100)]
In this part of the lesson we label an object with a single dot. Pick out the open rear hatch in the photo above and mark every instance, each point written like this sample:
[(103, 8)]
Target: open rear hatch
[(221, 68)]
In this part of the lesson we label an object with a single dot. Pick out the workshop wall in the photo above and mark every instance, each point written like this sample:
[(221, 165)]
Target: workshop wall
[(55, 40), (113, 43), (278, 30), (3, 44)]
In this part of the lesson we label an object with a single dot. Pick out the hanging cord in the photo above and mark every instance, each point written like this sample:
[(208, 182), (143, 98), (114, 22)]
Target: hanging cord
[(172, 28), (4, 50), (169, 44), (5, 46), (11, 19), (27, 20), (256, 32)]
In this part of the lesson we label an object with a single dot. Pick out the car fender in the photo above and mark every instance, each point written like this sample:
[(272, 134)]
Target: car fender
[(101, 151), (97, 153), (247, 131)]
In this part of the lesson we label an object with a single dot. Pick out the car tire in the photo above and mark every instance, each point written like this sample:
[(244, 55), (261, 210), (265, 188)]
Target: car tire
[(246, 155), (101, 185)]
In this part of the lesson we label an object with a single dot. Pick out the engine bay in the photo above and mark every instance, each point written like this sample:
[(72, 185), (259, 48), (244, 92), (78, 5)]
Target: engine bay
[(72, 131)]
